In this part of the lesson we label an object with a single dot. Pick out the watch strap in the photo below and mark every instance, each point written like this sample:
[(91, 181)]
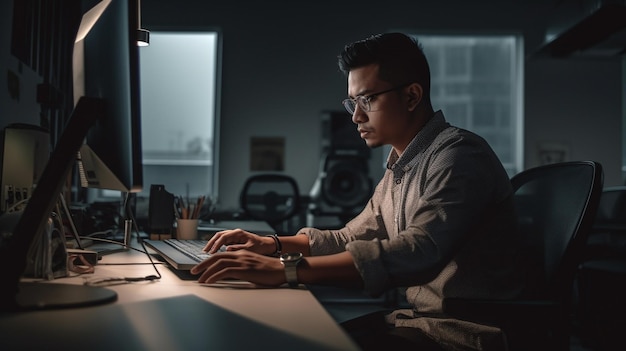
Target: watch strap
[(290, 263), (291, 273)]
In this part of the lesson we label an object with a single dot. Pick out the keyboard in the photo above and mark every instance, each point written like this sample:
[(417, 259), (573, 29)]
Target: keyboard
[(191, 248), (180, 254)]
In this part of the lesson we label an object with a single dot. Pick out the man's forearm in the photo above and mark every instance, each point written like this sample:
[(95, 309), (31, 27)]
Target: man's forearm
[(337, 269)]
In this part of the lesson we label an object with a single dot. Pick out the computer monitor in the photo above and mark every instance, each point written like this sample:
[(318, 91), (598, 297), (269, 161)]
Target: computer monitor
[(108, 111), (106, 66)]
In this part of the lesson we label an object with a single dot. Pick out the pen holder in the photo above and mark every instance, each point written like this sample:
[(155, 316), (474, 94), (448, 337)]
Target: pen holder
[(186, 229)]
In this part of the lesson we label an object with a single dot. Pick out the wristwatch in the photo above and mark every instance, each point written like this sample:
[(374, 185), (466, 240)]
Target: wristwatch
[(291, 261)]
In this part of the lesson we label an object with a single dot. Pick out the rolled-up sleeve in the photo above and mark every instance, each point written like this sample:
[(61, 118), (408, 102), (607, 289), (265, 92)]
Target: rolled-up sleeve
[(362, 238), (366, 254), (367, 258)]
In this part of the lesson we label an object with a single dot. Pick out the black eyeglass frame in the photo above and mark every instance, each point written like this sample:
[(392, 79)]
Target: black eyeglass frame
[(364, 100)]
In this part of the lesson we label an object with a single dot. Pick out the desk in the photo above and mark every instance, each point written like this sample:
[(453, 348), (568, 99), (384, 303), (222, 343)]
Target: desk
[(216, 318)]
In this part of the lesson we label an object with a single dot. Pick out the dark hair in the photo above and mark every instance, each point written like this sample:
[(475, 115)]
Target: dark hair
[(400, 58)]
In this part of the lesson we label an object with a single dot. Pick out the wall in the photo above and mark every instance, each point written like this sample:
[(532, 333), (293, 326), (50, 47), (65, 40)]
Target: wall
[(279, 73), (16, 106), (576, 103)]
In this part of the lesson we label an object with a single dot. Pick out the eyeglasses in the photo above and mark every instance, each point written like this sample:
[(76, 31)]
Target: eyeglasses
[(364, 100)]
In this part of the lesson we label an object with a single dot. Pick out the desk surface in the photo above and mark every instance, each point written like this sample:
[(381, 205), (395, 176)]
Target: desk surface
[(148, 315)]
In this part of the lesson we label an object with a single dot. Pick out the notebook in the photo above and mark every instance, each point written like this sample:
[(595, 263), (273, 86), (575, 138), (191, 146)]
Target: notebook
[(178, 252)]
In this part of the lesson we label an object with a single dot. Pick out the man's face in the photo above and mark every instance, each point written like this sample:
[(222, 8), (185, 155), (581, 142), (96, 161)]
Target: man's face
[(388, 120)]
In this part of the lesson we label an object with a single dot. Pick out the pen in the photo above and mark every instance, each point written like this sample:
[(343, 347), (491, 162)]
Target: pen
[(182, 208), (176, 212), (199, 203), (189, 210)]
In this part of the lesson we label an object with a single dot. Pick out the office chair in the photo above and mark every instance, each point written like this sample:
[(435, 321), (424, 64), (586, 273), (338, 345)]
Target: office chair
[(556, 205), (602, 275), (273, 198), (608, 235)]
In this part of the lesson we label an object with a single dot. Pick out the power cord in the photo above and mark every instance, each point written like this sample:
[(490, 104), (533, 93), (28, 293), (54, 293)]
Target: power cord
[(117, 281), (124, 280)]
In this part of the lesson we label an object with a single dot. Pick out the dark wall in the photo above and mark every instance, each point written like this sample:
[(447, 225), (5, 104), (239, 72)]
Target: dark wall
[(279, 73)]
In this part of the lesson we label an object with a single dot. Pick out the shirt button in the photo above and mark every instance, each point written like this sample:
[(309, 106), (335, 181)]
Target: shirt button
[(398, 181)]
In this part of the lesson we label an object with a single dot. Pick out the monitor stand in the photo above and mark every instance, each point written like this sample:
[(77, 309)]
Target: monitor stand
[(40, 296), (14, 293)]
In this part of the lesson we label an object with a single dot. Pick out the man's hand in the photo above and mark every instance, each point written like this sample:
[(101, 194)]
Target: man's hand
[(238, 239), (241, 265)]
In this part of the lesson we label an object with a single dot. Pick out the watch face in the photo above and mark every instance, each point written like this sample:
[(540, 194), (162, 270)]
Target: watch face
[(290, 256)]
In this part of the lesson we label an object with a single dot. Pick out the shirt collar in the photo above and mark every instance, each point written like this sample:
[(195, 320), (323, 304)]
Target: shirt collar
[(421, 141)]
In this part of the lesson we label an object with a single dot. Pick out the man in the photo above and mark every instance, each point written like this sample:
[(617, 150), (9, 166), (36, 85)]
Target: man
[(440, 222)]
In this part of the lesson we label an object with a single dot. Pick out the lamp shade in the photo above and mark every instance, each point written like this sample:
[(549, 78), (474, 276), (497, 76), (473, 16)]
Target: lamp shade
[(143, 37)]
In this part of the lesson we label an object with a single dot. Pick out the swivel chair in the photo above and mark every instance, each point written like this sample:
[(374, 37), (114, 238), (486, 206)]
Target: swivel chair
[(608, 236), (273, 198), (556, 205), (602, 275)]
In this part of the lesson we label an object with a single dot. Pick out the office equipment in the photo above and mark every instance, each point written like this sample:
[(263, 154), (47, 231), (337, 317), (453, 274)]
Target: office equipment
[(160, 211), (15, 295), (601, 279), (24, 151), (608, 237), (273, 198), (184, 254), (143, 35), (343, 185), (556, 205), (106, 66), (180, 254), (189, 208), (111, 95), (47, 256)]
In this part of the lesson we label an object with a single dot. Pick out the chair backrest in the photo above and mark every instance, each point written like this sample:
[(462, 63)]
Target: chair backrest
[(273, 198), (612, 209), (556, 206)]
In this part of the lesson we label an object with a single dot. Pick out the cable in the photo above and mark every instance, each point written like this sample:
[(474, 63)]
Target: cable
[(136, 227), (128, 215), (118, 281), (124, 280), (108, 232)]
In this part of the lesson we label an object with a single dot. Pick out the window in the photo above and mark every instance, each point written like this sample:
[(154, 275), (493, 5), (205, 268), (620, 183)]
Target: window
[(477, 81), (179, 73)]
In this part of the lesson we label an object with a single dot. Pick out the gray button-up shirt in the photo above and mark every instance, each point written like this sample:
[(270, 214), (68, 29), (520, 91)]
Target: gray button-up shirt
[(440, 222)]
